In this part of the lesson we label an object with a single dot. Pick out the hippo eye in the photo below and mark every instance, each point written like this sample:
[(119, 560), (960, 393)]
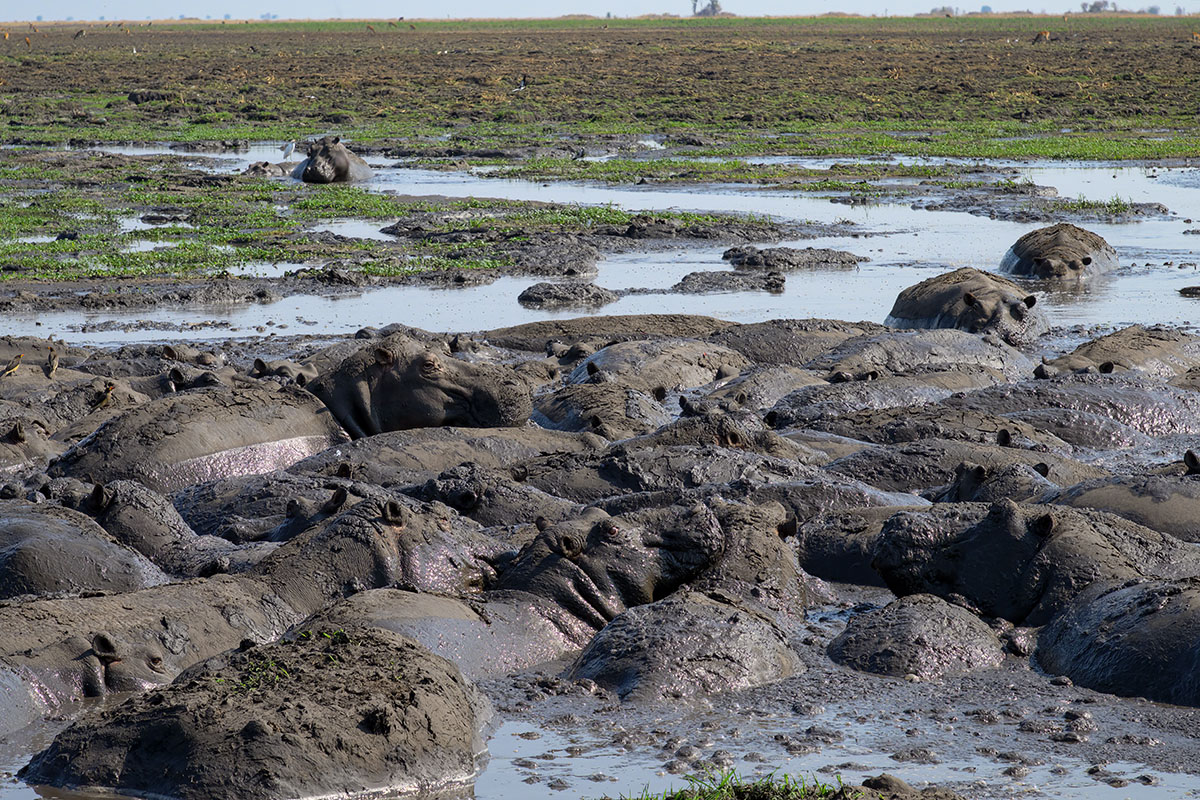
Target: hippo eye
[(430, 365), (609, 529), (156, 663), (566, 545)]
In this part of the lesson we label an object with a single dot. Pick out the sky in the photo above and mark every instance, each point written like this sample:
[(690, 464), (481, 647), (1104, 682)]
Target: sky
[(386, 9)]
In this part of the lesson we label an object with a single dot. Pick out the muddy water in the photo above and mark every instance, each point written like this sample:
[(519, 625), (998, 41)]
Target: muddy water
[(906, 246)]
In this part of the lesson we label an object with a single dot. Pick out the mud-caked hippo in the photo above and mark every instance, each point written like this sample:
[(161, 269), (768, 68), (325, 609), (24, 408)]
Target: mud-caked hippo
[(970, 300), (1062, 252), (330, 162), (400, 383)]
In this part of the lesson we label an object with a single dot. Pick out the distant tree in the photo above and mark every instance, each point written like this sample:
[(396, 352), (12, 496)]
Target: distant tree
[(711, 10), (1153, 10), (985, 10), (1179, 11)]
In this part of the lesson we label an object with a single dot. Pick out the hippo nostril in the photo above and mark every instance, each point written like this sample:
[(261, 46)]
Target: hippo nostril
[(840, 377), (771, 418), (1087, 260), (567, 545), (1107, 367), (659, 393), (596, 422), (732, 439), (740, 398), (465, 500), (592, 369)]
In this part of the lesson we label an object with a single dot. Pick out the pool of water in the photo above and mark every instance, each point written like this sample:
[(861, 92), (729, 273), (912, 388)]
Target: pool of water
[(905, 245)]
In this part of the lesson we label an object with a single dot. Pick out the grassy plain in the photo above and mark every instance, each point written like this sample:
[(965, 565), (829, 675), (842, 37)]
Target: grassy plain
[(1103, 87)]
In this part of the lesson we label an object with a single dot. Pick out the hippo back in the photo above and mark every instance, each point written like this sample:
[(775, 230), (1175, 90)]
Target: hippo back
[(1062, 252)]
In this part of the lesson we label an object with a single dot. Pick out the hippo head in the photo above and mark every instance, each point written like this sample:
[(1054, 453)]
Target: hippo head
[(383, 542), (1006, 314), (329, 162), (1059, 266), (123, 667), (596, 566), (420, 389)]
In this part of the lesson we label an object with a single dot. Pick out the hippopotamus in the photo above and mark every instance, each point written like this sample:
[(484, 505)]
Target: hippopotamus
[(375, 543), (534, 336), (660, 366), (400, 383), (180, 439), (46, 549), (606, 409), (687, 644), (912, 423), (265, 169), (418, 454), (1022, 563), (1130, 638), (330, 162), (1062, 252), (973, 301), (1130, 399), (417, 727), (920, 352), (1165, 503), (791, 342), (568, 582), (1160, 352), (919, 635)]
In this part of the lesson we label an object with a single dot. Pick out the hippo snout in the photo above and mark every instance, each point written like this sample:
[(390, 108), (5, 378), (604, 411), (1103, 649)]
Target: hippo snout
[(504, 404)]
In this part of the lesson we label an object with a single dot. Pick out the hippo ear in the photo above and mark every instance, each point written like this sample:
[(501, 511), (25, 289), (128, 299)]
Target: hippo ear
[(384, 357), (659, 393), (1042, 468), (344, 470), (300, 379), (1192, 461), (169, 353), (979, 473), (1004, 437), (336, 139), (542, 523), (105, 648), (99, 498), (1030, 301), (176, 375), (970, 300), (337, 500), (394, 513), (788, 527), (1043, 526), (293, 509), (260, 368)]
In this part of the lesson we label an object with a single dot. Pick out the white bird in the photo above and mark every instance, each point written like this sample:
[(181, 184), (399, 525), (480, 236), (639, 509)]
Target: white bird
[(288, 148), (521, 86)]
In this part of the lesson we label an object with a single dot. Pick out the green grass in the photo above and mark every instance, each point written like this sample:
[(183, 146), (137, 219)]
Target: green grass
[(1114, 206), (728, 785)]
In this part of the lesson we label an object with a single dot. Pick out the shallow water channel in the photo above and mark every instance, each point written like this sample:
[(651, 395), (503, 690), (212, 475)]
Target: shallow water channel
[(905, 245)]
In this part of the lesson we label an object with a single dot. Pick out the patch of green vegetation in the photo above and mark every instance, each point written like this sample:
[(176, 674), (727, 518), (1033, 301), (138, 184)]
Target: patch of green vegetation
[(1114, 206), (728, 785)]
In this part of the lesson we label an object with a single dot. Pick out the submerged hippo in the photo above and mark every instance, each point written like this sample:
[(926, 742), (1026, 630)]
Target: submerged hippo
[(330, 162), (1061, 252), (970, 300), (400, 383)]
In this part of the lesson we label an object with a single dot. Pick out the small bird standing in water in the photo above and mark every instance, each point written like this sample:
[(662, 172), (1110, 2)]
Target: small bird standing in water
[(521, 86), (11, 367), (104, 397), (51, 363), (288, 148)]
